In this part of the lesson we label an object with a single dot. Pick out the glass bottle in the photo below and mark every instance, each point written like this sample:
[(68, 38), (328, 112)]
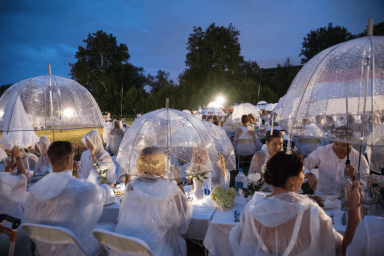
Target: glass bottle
[(345, 182)]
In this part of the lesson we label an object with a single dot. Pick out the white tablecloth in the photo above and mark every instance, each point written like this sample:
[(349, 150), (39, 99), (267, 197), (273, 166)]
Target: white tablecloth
[(217, 238)]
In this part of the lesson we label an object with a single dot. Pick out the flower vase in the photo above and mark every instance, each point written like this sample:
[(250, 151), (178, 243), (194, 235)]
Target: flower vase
[(198, 189)]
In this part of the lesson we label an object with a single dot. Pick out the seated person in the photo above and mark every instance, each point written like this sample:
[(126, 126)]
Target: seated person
[(43, 164), (331, 160), (273, 145), (369, 232), (153, 209), (12, 198), (116, 136), (242, 133), (284, 222), (59, 199), (96, 159)]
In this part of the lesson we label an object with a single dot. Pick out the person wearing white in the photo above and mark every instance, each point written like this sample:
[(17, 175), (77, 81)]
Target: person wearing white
[(96, 159), (116, 136), (43, 164), (59, 199), (330, 160), (242, 133), (107, 130), (365, 237), (13, 195), (284, 222), (153, 209)]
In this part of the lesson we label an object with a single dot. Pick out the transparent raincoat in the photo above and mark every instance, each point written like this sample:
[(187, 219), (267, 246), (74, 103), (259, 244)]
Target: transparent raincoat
[(51, 103), (245, 141), (43, 163), (116, 136), (12, 198), (285, 224), (158, 212), (104, 160), (59, 199), (175, 132)]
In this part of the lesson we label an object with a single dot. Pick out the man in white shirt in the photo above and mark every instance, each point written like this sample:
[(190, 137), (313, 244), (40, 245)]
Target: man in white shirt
[(331, 161), (59, 199)]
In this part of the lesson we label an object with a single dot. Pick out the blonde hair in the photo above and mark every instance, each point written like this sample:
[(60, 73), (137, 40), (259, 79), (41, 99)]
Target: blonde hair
[(151, 162)]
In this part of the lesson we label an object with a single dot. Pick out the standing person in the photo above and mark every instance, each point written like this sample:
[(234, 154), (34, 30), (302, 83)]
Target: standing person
[(13, 195), (59, 199), (299, 226), (154, 209), (43, 164), (96, 159), (107, 130), (116, 136)]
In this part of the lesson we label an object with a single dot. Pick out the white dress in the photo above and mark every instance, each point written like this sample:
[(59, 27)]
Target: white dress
[(158, 212), (331, 168), (59, 199), (368, 238), (108, 125), (285, 224), (114, 143), (244, 149)]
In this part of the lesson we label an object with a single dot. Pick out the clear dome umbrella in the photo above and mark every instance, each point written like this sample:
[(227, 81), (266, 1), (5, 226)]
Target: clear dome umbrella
[(177, 133), (342, 85), (48, 102), (244, 109)]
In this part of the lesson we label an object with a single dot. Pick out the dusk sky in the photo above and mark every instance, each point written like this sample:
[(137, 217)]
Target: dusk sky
[(36, 33)]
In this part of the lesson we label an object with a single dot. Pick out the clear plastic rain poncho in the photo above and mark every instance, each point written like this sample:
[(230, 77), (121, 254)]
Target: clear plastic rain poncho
[(51, 103), (59, 199), (285, 224), (91, 170), (116, 136), (16, 126), (43, 163), (223, 144), (12, 199), (175, 132), (245, 141), (344, 86)]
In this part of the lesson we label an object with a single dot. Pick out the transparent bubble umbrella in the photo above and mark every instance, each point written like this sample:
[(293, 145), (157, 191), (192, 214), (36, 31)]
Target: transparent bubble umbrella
[(51, 103), (212, 112), (244, 109), (223, 144), (177, 133)]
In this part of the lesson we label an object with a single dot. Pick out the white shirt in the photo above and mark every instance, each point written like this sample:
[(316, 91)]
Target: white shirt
[(331, 168)]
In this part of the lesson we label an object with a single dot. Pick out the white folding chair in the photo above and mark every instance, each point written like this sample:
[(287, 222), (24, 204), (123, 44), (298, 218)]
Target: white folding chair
[(128, 244), (53, 235), (241, 142)]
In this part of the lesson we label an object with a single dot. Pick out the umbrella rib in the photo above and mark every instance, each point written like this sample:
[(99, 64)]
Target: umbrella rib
[(309, 80)]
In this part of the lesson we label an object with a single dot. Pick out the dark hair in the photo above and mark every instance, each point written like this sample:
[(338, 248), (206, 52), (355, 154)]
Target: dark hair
[(58, 152), (281, 166), (344, 133), (275, 134), (244, 119)]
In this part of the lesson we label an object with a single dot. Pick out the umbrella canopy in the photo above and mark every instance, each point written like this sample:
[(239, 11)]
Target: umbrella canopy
[(177, 133), (270, 106), (244, 109), (213, 112), (262, 102), (187, 111), (343, 85), (50, 103), (214, 104), (223, 144)]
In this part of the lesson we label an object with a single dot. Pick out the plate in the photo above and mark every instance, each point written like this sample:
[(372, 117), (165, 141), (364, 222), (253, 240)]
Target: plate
[(110, 200)]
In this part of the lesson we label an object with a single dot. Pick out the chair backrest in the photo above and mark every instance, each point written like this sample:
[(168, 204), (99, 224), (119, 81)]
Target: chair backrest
[(51, 235), (128, 244)]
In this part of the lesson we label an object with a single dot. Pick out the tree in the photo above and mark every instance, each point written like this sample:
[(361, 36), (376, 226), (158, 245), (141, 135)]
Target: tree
[(103, 68), (321, 39), (378, 30), (159, 81)]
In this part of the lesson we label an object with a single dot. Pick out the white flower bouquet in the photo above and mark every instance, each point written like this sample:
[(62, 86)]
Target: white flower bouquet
[(223, 198), (197, 171), (102, 173), (255, 182)]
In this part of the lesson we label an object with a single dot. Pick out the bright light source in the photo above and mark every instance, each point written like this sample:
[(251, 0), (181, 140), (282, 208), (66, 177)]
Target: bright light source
[(1, 113), (220, 99), (68, 112)]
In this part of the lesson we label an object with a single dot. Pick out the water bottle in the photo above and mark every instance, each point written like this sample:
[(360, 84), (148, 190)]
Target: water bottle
[(344, 184), (241, 181)]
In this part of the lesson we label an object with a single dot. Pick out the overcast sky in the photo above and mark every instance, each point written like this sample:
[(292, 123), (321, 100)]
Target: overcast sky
[(35, 33)]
